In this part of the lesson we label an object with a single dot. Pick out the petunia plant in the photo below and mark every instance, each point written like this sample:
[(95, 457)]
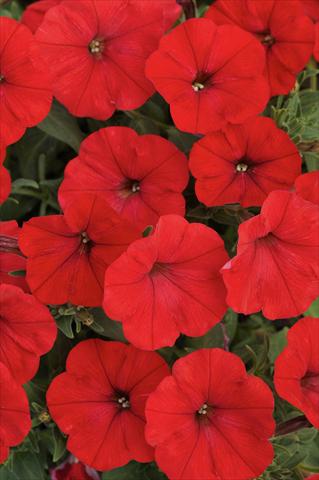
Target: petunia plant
[(159, 240)]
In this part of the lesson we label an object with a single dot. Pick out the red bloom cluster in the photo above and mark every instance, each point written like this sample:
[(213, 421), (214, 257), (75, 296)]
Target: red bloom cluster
[(244, 163), (168, 283), (25, 92), (210, 419), (209, 75), (297, 369), (141, 177), (283, 29), (96, 52), (207, 419), (100, 402), (276, 268), (68, 254)]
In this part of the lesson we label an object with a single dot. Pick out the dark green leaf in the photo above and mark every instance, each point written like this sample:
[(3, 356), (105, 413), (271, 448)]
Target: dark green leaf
[(61, 125)]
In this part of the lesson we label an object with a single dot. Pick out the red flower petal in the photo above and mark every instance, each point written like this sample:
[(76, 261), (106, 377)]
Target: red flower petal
[(85, 402), (11, 259), (5, 184), (15, 418), (141, 177), (244, 163), (205, 89), (230, 439), (33, 15), (297, 369), (307, 186), (25, 94), (27, 330), (167, 283), (279, 249)]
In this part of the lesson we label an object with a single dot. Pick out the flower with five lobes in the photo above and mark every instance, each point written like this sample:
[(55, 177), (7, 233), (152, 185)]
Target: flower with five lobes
[(168, 283), (283, 29), (96, 52), (243, 163), (99, 402), (297, 369), (25, 90), (140, 176), (209, 75), (276, 268), (68, 254), (210, 419)]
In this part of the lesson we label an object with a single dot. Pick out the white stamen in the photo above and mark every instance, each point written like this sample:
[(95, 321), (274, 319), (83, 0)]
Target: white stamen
[(241, 167), (198, 86)]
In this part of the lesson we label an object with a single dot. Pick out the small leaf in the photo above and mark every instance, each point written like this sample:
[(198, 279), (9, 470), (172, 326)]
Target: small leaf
[(17, 273), (111, 328)]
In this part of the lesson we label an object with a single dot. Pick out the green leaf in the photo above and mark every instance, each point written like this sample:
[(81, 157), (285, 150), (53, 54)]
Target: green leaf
[(216, 336), (22, 183), (313, 310), (61, 125), (59, 442), (135, 471), (277, 342), (17, 273), (65, 325), (111, 328), (24, 466)]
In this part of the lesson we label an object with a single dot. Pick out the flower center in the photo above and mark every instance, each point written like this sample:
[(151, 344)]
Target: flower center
[(123, 402), (241, 167), (135, 187), (202, 80), (203, 410), (129, 188), (1, 78), (311, 382), (85, 238), (96, 47), (268, 40)]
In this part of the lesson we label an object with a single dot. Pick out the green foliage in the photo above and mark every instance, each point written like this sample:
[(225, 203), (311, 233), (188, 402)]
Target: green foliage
[(135, 471)]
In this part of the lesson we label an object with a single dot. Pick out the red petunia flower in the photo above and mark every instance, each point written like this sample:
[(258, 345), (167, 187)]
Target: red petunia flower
[(276, 266), (297, 369), (25, 93), (72, 469), (27, 331), (15, 418), (141, 177), (210, 419), (33, 15), (244, 163), (168, 283), (97, 50), (281, 27), (209, 75), (68, 254), (11, 259), (307, 185), (100, 401)]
